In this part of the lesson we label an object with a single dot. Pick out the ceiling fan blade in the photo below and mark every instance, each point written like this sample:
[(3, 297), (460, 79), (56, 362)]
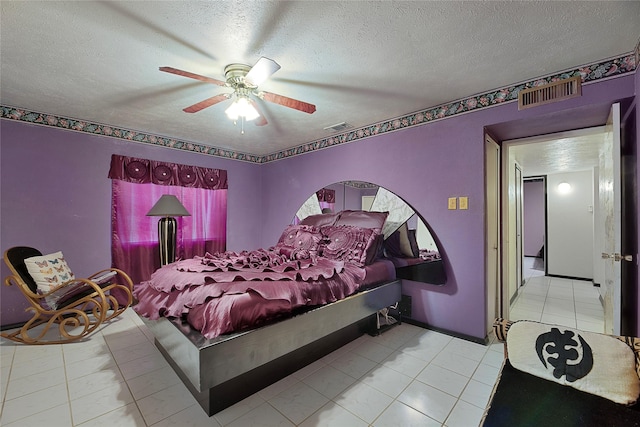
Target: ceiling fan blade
[(261, 71), (289, 102), (206, 103), (192, 76), (262, 120)]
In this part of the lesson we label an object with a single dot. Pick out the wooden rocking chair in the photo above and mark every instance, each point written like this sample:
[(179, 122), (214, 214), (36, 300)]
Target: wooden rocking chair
[(81, 305)]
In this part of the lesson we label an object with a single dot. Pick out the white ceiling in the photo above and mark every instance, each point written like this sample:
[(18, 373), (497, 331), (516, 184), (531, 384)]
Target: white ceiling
[(562, 152), (358, 61)]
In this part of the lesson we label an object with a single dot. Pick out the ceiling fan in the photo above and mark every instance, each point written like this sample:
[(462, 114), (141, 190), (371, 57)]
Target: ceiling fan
[(244, 80)]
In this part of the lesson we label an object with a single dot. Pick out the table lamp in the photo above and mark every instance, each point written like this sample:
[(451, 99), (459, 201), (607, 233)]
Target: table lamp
[(167, 207)]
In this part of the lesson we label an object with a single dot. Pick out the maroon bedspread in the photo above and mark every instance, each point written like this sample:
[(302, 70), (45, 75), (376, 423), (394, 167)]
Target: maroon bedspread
[(233, 291)]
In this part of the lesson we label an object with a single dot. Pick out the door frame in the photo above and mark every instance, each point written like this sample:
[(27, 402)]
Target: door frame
[(492, 232)]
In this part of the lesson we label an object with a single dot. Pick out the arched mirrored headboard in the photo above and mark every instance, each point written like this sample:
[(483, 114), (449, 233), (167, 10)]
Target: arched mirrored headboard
[(358, 195)]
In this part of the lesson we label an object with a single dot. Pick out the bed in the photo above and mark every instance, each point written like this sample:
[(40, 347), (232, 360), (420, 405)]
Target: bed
[(233, 323)]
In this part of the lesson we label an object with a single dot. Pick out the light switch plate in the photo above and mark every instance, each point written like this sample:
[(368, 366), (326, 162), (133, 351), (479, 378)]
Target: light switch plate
[(453, 203), (463, 202)]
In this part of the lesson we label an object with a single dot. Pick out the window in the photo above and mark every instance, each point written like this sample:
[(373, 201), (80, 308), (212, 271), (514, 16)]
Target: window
[(137, 184)]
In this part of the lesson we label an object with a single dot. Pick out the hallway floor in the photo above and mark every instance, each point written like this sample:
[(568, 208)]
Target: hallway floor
[(571, 303)]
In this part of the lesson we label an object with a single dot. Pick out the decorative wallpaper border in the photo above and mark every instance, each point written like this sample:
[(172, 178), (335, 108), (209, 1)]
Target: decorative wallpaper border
[(590, 73)]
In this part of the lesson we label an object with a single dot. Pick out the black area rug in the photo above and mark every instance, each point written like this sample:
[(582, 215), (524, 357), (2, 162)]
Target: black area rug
[(524, 400)]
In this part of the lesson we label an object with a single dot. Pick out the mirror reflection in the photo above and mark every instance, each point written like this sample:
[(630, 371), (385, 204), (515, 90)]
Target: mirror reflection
[(402, 223), (358, 195)]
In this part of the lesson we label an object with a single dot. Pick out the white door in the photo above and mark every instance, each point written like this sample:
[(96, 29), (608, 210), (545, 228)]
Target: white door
[(492, 191), (610, 204)]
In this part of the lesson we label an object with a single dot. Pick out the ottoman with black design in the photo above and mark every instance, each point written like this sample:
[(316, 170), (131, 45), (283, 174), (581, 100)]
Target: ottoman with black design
[(558, 376)]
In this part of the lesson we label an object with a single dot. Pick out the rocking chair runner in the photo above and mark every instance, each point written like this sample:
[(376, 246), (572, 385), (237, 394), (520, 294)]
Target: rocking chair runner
[(81, 304)]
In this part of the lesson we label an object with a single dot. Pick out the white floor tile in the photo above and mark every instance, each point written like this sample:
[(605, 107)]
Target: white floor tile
[(404, 363), (464, 415), (126, 416), (142, 365), (386, 380), (32, 383), (333, 414), (456, 363), (262, 416), (373, 351), (400, 415), (193, 416), (89, 384), (59, 416), (33, 403), (329, 381), (233, 412), (477, 393), (165, 403), (443, 379), (100, 402), (430, 401), (298, 402), (363, 401), (153, 382), (353, 364)]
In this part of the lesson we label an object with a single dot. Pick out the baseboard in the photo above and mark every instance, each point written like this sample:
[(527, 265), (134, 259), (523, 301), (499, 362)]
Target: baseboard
[(483, 341), (589, 279), (513, 298), (12, 326)]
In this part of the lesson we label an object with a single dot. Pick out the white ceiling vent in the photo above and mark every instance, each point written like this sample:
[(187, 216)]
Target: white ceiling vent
[(551, 92), (339, 127)]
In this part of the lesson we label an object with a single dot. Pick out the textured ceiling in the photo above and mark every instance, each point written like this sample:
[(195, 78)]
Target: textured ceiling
[(562, 152), (360, 62)]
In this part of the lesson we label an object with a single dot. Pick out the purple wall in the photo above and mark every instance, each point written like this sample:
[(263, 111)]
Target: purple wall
[(533, 217), (56, 196), (425, 165)]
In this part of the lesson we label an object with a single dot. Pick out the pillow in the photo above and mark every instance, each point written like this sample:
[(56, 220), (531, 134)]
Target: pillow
[(299, 242), (348, 243), (320, 220), (402, 243), (363, 219), (48, 271), (406, 245), (413, 242), (594, 363)]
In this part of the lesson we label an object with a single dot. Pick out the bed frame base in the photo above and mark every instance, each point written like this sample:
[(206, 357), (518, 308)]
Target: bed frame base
[(224, 370)]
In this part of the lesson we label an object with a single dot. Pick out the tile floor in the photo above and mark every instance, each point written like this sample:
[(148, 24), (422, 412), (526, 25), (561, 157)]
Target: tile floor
[(571, 303), (407, 376)]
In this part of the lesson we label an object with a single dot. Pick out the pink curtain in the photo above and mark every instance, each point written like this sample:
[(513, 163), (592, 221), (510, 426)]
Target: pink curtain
[(135, 235)]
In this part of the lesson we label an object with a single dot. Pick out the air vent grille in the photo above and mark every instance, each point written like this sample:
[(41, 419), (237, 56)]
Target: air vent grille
[(552, 92), (339, 127)]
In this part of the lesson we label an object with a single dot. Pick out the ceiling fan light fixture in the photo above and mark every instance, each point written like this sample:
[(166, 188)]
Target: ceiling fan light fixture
[(241, 107)]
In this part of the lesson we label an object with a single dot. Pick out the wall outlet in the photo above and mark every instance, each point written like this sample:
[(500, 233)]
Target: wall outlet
[(453, 203)]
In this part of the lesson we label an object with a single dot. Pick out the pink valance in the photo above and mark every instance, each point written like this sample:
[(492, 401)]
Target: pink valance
[(142, 171)]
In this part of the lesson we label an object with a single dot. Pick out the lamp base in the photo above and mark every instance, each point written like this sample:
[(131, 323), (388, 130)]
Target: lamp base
[(167, 240)]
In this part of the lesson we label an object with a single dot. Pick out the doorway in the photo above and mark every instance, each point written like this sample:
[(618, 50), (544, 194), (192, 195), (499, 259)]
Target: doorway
[(566, 296)]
